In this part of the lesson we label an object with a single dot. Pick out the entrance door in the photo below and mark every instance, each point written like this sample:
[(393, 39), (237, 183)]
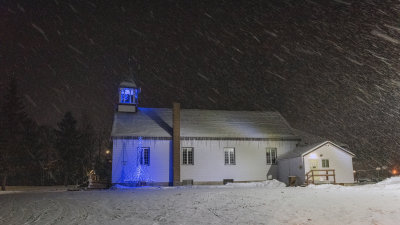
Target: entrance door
[(313, 164)]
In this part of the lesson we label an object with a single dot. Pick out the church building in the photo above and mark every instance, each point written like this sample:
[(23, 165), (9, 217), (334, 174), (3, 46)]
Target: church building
[(174, 146)]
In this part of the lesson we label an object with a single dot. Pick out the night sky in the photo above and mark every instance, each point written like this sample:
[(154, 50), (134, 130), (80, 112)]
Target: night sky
[(331, 68)]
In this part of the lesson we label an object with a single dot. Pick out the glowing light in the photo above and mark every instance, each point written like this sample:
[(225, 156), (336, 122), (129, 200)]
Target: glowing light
[(108, 152), (313, 156), (128, 95), (137, 173), (394, 171)]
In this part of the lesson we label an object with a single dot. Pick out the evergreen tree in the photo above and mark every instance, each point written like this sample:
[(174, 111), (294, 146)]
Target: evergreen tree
[(103, 160), (68, 147), (37, 144), (88, 145), (48, 156), (3, 150), (12, 122), (29, 167)]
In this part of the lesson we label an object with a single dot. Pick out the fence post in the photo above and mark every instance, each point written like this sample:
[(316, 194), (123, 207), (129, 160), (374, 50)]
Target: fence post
[(334, 177), (307, 178), (312, 174)]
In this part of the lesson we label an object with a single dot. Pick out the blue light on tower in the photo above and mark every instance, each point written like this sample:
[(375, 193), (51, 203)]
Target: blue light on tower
[(128, 97)]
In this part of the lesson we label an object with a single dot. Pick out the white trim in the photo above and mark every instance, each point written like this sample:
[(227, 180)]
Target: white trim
[(229, 150), (272, 156), (188, 149), (324, 143)]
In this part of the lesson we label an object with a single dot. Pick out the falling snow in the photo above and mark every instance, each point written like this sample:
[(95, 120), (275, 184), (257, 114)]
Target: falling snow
[(40, 31), (329, 67)]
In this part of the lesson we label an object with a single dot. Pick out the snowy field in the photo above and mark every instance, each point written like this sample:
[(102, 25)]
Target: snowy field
[(254, 203)]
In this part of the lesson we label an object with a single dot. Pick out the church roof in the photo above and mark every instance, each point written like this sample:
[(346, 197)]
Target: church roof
[(128, 84), (196, 123)]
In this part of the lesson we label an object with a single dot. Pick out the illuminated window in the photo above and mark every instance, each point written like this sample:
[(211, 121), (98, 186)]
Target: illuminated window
[(144, 156), (127, 95), (271, 156), (187, 156), (229, 156), (325, 163)]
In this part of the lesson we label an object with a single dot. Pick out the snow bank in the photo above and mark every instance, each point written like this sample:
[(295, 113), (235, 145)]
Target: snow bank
[(268, 203), (21, 189), (267, 183), (325, 186), (389, 183), (392, 183), (219, 204), (118, 186)]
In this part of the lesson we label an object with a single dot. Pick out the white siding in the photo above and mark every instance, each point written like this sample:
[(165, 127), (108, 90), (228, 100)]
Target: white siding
[(159, 169), (250, 165), (338, 160), (291, 167), (209, 163)]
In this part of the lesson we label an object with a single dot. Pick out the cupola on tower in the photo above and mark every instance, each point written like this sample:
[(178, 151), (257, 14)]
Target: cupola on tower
[(128, 97)]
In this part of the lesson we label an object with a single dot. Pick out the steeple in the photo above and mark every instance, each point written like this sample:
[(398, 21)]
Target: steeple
[(128, 97)]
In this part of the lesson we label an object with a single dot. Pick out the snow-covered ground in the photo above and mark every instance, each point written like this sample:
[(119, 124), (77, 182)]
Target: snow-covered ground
[(254, 203)]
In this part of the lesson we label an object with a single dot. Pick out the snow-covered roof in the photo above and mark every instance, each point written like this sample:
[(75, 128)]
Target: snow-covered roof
[(128, 84), (308, 139), (301, 151), (196, 123)]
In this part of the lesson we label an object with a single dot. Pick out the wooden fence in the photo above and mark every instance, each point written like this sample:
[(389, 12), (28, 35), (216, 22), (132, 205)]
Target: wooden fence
[(310, 176)]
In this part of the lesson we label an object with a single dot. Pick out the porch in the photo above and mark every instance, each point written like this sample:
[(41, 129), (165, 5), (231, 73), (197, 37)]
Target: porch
[(320, 177)]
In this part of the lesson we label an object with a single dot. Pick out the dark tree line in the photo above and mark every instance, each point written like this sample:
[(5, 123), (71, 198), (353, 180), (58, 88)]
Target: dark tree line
[(31, 154)]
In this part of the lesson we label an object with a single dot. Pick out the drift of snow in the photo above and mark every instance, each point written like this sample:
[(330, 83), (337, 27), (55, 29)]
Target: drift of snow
[(268, 183), (238, 203), (392, 183)]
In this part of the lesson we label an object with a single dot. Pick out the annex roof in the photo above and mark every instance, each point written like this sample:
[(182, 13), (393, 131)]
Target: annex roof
[(197, 123), (301, 151), (309, 139)]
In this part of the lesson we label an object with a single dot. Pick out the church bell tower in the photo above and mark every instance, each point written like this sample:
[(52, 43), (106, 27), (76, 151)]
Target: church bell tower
[(128, 97)]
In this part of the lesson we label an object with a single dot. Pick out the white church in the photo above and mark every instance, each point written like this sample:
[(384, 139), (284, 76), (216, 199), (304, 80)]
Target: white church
[(174, 146)]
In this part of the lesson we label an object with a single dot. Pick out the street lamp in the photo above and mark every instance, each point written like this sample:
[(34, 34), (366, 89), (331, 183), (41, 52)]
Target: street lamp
[(378, 169)]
